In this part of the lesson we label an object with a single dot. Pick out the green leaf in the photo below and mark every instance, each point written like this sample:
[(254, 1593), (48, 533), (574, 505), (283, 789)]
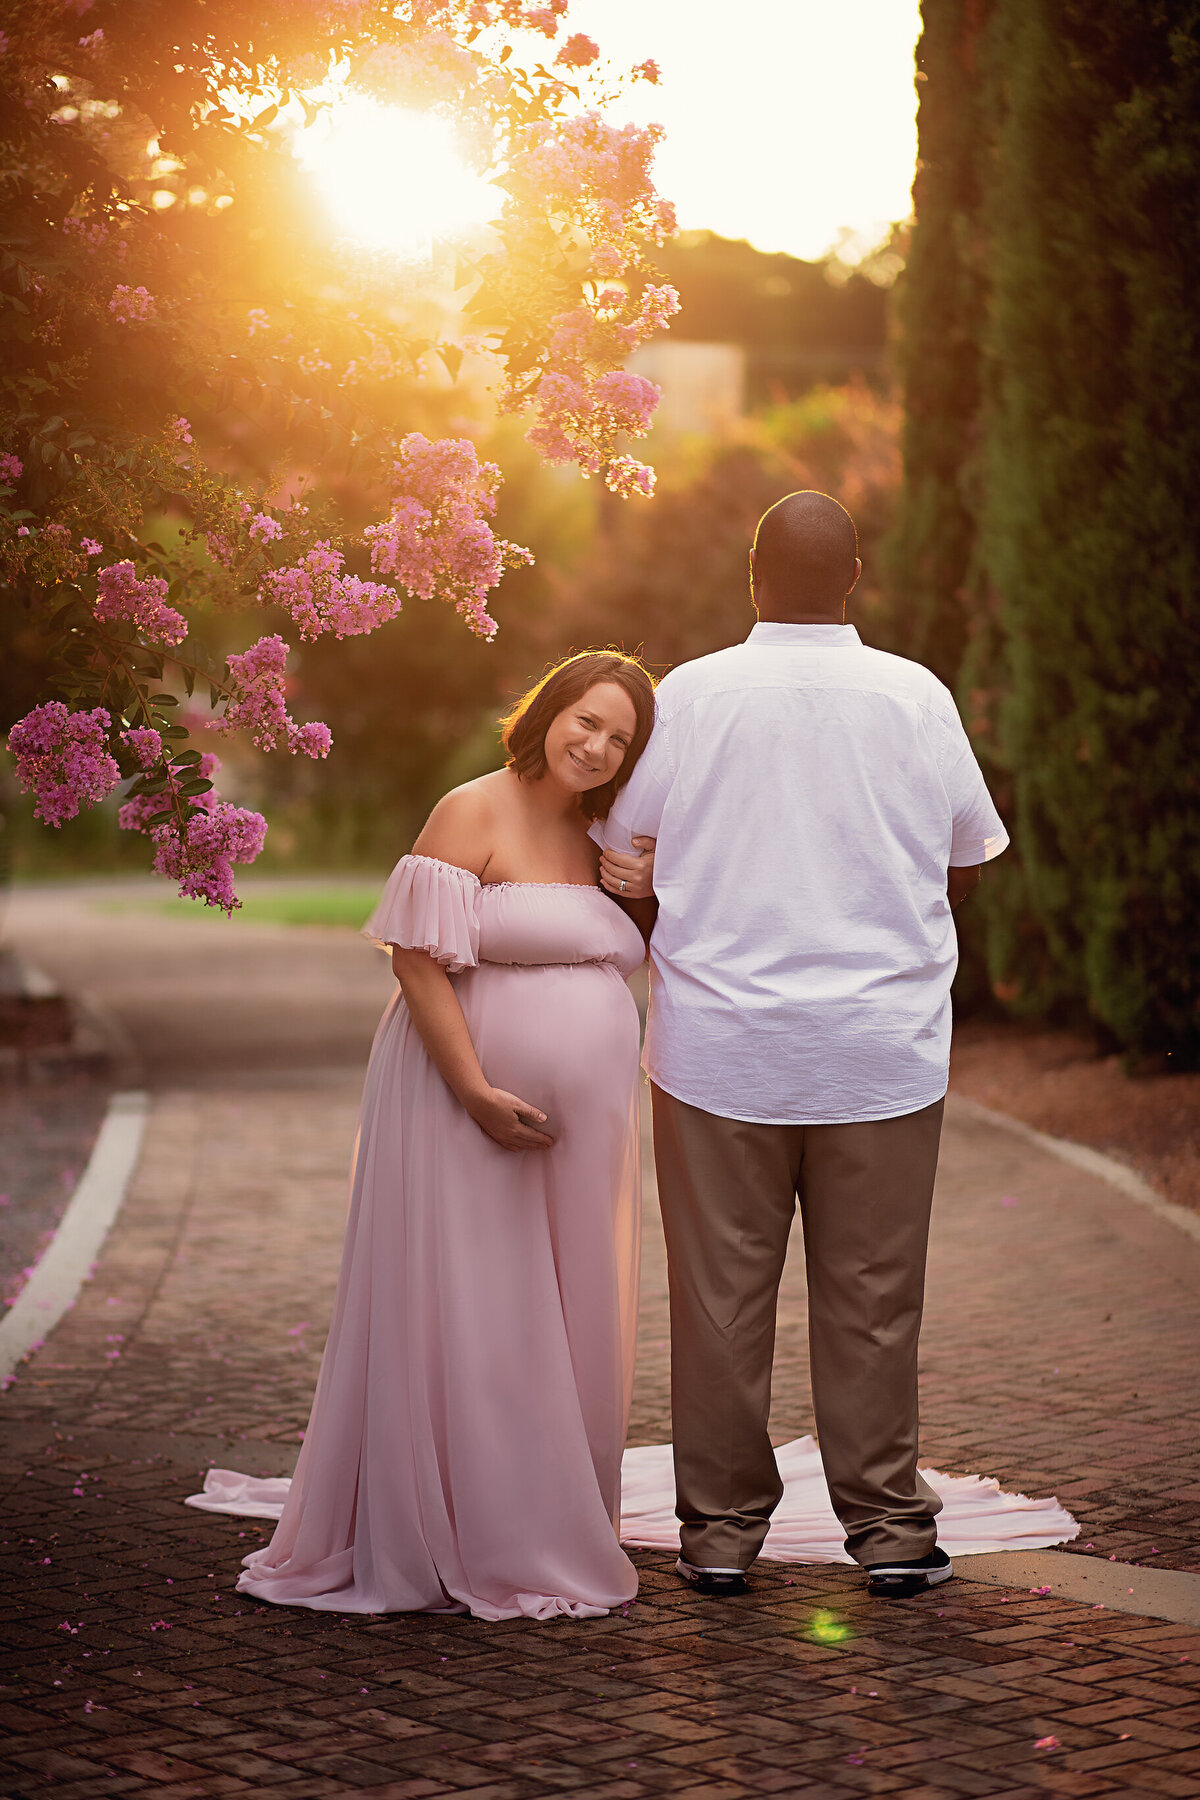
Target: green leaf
[(64, 612), (452, 356), (171, 731), (195, 787), (163, 700), (186, 759)]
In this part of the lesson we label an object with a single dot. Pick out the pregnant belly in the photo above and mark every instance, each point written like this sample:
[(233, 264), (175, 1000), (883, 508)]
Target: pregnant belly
[(562, 1036)]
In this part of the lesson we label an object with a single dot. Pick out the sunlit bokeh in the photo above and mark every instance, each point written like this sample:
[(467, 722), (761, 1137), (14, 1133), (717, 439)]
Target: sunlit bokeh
[(827, 1628), (393, 179)]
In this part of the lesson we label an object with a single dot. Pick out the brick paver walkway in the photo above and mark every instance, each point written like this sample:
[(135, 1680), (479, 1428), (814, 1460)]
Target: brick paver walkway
[(1060, 1354)]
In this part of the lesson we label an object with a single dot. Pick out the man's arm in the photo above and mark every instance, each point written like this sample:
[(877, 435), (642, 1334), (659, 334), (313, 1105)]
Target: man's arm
[(960, 882), (635, 871), (642, 912)]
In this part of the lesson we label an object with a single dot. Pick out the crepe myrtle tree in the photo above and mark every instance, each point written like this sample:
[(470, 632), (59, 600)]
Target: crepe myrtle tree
[(155, 275)]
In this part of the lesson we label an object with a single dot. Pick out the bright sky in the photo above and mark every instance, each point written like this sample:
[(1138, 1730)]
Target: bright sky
[(788, 121)]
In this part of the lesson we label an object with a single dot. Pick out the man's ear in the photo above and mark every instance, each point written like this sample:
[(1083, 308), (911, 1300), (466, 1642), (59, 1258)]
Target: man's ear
[(857, 573)]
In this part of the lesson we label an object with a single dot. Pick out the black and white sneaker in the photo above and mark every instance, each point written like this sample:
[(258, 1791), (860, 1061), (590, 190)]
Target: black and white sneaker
[(901, 1580), (718, 1584)]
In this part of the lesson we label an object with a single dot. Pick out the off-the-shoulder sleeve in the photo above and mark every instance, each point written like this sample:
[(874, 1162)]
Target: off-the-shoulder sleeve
[(429, 905)]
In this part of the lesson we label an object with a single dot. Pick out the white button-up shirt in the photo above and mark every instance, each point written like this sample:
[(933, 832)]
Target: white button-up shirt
[(808, 795)]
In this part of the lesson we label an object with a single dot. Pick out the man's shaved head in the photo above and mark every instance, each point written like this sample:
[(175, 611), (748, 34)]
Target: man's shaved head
[(805, 555)]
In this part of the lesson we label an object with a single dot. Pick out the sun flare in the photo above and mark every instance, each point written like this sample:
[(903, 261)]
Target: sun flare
[(393, 179)]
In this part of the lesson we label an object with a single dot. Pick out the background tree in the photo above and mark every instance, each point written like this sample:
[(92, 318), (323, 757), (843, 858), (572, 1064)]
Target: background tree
[(1052, 461), (673, 579), (166, 315), (800, 323)]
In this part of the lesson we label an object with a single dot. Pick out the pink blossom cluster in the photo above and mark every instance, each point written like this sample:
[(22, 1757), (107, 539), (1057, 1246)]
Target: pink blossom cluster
[(63, 758), (626, 476), (222, 548), (203, 862), (320, 596), (438, 540), (122, 595), (46, 552), (92, 233), (647, 71), (265, 529), (214, 837), (10, 468), (90, 547), (144, 745), (257, 702), (626, 400), (578, 51), (597, 173), (179, 431), (57, 550), (656, 308), (132, 305), (582, 401), (518, 14), (420, 72), (578, 418)]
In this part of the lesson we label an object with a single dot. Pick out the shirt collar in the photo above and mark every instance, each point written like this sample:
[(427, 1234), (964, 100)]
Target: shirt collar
[(811, 637)]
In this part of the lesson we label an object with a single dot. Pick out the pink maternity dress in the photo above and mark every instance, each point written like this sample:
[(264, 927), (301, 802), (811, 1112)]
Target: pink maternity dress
[(464, 1447)]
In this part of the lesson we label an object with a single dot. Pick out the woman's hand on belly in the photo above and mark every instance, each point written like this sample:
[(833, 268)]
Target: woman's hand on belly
[(509, 1121)]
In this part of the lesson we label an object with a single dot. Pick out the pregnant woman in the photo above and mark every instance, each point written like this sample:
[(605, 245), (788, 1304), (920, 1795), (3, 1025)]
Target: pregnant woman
[(464, 1447)]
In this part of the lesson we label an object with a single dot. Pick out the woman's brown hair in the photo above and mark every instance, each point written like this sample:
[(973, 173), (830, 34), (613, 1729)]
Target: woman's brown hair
[(524, 728)]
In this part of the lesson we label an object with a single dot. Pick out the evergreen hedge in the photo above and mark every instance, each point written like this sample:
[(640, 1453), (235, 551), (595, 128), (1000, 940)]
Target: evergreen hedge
[(1051, 489)]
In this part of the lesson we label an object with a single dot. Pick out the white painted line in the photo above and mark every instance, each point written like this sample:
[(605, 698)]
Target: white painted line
[(55, 1283), (1094, 1161)]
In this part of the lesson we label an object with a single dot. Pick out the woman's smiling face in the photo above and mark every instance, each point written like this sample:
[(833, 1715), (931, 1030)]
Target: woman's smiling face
[(586, 743)]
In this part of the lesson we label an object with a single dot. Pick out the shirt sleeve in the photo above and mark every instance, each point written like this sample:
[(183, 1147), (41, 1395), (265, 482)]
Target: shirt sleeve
[(978, 832), (638, 808)]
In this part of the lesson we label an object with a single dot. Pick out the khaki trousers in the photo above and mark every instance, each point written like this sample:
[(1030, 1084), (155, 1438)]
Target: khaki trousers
[(728, 1191)]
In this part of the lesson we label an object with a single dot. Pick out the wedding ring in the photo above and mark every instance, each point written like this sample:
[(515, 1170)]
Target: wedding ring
[(623, 887)]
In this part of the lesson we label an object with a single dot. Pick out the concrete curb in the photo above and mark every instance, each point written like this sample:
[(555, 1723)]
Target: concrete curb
[(1093, 1161), (1172, 1594), (67, 1263)]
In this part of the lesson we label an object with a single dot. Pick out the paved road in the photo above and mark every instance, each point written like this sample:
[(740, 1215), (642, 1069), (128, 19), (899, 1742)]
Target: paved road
[(1059, 1354)]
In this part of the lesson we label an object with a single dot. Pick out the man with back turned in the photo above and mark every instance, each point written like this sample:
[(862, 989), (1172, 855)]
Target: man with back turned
[(819, 812)]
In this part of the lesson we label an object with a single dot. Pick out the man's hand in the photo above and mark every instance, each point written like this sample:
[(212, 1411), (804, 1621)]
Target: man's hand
[(961, 882), (629, 877)]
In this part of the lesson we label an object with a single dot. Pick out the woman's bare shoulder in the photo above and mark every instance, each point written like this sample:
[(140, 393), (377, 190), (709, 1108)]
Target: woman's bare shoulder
[(461, 829)]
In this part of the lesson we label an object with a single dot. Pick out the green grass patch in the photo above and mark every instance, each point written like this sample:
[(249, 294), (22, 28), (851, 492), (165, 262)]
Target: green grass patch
[(346, 908)]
